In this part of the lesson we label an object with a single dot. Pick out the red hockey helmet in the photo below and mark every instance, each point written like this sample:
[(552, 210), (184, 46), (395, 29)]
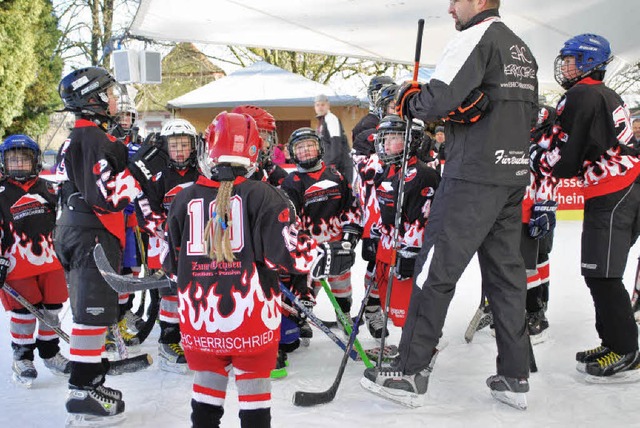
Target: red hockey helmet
[(263, 118), (230, 138), (267, 128)]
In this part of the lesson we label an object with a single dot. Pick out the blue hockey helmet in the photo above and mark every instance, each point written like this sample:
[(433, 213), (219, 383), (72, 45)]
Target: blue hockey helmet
[(591, 53), (21, 143)]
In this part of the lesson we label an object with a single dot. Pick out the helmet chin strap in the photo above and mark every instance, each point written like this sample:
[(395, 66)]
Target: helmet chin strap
[(315, 168)]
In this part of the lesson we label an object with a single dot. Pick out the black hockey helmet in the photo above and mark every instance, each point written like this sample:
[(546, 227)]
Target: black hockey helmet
[(375, 85), (387, 94), (20, 145), (304, 134), (84, 91)]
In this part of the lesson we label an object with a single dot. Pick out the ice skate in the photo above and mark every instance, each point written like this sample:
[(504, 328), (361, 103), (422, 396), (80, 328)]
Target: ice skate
[(24, 373), (590, 355), (375, 320), (281, 366), (509, 390), (94, 408), (134, 322), (537, 325), (306, 333), (58, 365), (172, 359), (394, 385), (614, 368)]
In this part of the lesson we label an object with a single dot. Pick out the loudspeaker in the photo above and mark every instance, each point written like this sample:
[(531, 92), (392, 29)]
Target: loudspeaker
[(150, 67), (125, 66)]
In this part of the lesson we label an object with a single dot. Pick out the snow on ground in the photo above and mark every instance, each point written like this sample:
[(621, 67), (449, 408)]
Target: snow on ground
[(457, 393)]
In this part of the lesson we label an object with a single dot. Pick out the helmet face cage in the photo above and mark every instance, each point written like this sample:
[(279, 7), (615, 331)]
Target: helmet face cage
[(126, 112), (20, 158), (390, 128), (308, 159), (171, 134), (85, 91), (591, 53)]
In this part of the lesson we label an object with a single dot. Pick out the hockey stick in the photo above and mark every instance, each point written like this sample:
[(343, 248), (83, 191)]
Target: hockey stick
[(533, 366), (316, 321), (399, 201), (635, 301), (128, 365), (127, 284), (345, 323), (390, 352), (480, 320), (307, 399)]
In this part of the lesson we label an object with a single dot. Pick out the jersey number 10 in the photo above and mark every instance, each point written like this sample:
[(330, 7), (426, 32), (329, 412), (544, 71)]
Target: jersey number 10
[(198, 220)]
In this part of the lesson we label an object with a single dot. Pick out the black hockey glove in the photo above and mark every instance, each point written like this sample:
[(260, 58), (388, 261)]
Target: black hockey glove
[(308, 301), (543, 219), (369, 249), (351, 233), (147, 162), (472, 109), (336, 258), (406, 262), (4, 268)]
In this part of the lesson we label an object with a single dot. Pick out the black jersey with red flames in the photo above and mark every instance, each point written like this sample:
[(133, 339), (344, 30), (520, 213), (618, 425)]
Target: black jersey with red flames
[(96, 165), (420, 187), (233, 307), (591, 139), (324, 202), (27, 220)]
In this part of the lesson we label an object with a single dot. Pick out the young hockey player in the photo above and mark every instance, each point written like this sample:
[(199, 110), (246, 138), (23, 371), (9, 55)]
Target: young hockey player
[(420, 186), (28, 262), (226, 235), (98, 183), (590, 140), (265, 169), (324, 202), (178, 138)]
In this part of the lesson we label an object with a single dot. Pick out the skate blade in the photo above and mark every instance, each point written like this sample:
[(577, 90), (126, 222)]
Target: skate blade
[(173, 367), (517, 400), (83, 420), (408, 399), (539, 338), (25, 382), (279, 373), (629, 376)]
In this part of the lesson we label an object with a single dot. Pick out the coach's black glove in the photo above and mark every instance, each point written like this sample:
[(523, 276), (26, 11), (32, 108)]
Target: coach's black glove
[(4, 268), (543, 219), (335, 259), (147, 162), (406, 91), (472, 109)]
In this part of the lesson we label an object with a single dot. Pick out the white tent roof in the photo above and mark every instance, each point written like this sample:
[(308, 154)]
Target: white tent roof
[(261, 84), (383, 29)]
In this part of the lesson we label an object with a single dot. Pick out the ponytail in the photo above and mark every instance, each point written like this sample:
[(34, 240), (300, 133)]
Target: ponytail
[(217, 238)]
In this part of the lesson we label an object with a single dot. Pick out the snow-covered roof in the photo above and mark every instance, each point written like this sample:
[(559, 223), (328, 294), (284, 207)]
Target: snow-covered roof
[(263, 85)]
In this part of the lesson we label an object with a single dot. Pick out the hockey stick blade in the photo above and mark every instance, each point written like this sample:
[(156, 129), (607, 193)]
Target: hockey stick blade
[(127, 284), (129, 365), (473, 325)]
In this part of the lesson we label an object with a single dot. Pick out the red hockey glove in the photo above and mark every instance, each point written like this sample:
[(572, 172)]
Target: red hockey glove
[(472, 109), (4, 268), (407, 90)]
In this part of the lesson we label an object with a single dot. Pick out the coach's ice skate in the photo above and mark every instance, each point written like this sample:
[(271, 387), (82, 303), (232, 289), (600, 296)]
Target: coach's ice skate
[(509, 390)]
